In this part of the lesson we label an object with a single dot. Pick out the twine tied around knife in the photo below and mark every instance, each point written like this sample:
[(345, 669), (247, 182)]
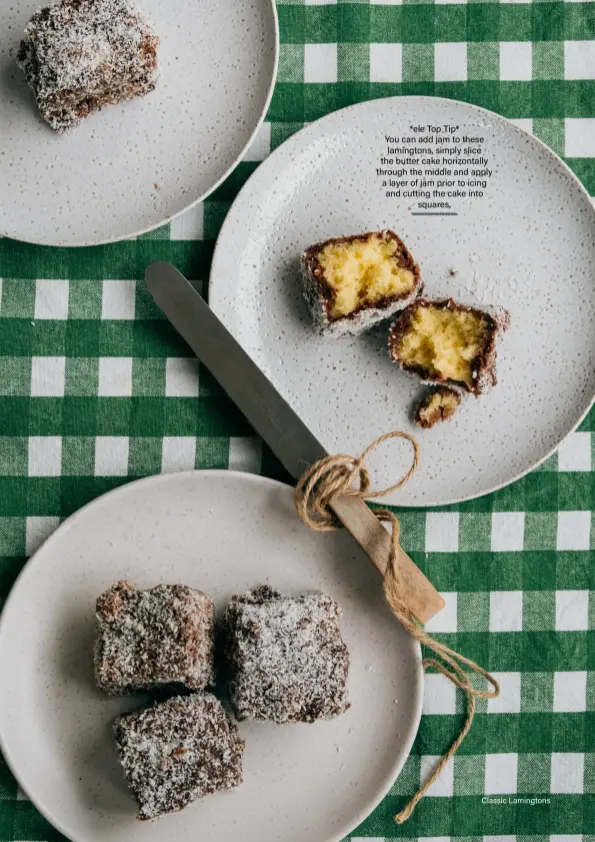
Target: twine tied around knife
[(336, 474)]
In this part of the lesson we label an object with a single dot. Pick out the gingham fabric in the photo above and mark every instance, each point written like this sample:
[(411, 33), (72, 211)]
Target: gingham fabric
[(96, 389)]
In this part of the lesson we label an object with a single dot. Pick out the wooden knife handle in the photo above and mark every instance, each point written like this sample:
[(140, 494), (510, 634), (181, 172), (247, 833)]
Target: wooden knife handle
[(420, 595)]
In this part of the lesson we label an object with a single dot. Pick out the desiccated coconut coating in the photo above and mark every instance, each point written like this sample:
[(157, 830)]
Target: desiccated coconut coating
[(149, 638), (177, 751), (287, 659), (79, 55)]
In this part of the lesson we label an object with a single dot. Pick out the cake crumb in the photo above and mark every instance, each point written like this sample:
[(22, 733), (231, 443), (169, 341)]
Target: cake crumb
[(436, 405)]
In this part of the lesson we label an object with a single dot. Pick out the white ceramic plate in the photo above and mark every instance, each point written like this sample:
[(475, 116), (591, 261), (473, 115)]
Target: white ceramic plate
[(528, 244), (221, 532), (218, 60)]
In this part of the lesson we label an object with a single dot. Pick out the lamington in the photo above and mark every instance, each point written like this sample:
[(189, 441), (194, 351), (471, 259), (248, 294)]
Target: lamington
[(351, 283), (448, 344), (177, 751), (287, 660), (79, 55), (438, 404), (154, 638)]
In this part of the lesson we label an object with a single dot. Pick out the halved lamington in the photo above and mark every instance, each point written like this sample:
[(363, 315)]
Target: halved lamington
[(351, 283), (449, 344)]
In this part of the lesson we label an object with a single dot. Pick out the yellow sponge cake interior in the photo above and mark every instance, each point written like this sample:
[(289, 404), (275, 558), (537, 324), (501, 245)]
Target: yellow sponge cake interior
[(363, 271)]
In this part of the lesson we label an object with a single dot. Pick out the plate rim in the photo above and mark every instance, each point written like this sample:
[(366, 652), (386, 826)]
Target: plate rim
[(56, 243), (214, 288), (156, 479)]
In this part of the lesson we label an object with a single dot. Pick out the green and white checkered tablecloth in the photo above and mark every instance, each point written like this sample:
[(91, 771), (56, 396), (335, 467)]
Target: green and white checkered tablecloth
[(96, 389)]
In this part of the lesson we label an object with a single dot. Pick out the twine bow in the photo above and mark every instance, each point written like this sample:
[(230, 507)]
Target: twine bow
[(335, 475)]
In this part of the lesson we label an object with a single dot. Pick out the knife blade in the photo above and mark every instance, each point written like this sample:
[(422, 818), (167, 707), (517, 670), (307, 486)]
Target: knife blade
[(274, 420)]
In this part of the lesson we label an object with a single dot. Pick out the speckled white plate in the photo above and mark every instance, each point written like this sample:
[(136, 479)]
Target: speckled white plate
[(222, 532), (528, 244), (136, 165)]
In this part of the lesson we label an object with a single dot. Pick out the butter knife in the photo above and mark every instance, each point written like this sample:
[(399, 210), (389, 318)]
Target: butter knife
[(275, 421)]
